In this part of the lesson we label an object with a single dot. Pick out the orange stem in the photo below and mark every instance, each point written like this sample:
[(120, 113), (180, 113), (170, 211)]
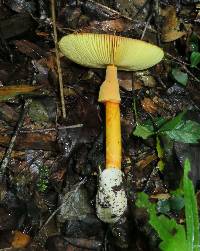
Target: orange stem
[(109, 95), (113, 135)]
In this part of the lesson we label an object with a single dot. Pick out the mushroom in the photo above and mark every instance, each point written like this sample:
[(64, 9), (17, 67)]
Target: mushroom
[(110, 52)]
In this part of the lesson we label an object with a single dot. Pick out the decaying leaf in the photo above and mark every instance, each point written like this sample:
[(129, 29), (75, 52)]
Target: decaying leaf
[(20, 240), (45, 141), (146, 161), (115, 25), (30, 49), (170, 29), (148, 105), (14, 90), (161, 196)]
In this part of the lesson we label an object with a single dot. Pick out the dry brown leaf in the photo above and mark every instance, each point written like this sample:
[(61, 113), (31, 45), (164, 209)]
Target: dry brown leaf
[(30, 49), (146, 161), (137, 85), (45, 141), (14, 154), (149, 106), (170, 22), (68, 92), (42, 34), (14, 90), (172, 36), (161, 196), (51, 63), (115, 25), (20, 240), (170, 29), (127, 82)]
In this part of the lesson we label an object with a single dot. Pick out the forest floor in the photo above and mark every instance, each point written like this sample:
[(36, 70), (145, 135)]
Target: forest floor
[(50, 164)]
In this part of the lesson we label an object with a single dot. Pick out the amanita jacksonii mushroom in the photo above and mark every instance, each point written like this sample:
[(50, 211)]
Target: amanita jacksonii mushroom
[(110, 52)]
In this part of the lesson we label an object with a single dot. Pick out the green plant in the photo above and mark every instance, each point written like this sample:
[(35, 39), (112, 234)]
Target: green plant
[(180, 76), (177, 129), (179, 72), (42, 183), (174, 236)]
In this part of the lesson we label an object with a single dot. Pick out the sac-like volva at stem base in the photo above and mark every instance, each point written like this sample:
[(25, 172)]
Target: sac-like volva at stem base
[(111, 201)]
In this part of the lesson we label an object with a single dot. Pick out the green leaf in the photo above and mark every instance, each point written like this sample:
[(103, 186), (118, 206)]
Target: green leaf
[(195, 58), (176, 203), (160, 152), (172, 123), (191, 211), (163, 206), (186, 132), (193, 42), (159, 122), (193, 46), (180, 77), (143, 131), (172, 234)]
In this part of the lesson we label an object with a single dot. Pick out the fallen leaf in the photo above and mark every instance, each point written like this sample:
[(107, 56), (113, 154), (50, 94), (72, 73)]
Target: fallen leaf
[(179, 76), (30, 49), (146, 161), (115, 25), (42, 34), (20, 240), (45, 141), (14, 154), (172, 35), (195, 58), (7, 92), (137, 85), (161, 196), (170, 29), (148, 105)]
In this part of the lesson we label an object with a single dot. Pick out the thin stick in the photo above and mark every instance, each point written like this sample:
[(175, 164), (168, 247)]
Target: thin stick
[(8, 152), (58, 59), (43, 130), (184, 66), (145, 28)]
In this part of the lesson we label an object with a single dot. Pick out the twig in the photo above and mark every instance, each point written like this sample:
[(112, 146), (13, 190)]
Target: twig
[(176, 58), (184, 65), (107, 11), (113, 14), (43, 130), (191, 74), (8, 152), (58, 59), (146, 25)]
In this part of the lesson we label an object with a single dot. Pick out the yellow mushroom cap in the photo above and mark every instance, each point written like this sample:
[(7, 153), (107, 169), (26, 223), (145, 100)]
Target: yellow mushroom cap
[(100, 50)]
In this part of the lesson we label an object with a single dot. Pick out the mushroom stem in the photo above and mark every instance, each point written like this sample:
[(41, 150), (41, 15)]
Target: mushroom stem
[(113, 135), (109, 95), (111, 199)]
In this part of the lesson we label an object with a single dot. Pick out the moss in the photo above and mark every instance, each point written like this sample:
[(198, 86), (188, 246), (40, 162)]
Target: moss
[(37, 112)]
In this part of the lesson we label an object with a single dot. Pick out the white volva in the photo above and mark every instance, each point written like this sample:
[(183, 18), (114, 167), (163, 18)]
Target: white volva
[(111, 199)]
